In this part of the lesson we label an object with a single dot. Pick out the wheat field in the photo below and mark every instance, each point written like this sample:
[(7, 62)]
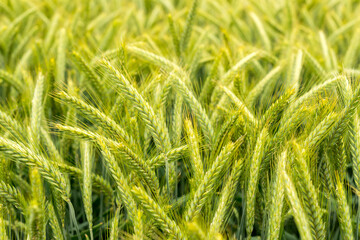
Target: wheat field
[(168, 119)]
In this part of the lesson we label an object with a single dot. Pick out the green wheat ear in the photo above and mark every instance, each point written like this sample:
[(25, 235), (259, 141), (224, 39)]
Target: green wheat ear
[(87, 160), (195, 119)]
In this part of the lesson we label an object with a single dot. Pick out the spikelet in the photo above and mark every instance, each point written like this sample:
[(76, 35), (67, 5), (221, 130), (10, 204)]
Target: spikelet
[(354, 141), (320, 132), (346, 116), (138, 226)]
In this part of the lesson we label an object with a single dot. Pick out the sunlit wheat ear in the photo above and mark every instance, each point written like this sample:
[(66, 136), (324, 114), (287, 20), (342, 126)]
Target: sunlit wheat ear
[(346, 116), (197, 109), (343, 212), (354, 142), (240, 105), (185, 37), (276, 108), (26, 156), (226, 199), (157, 213), (89, 72), (11, 125), (311, 198), (277, 199), (98, 182), (297, 209), (174, 36), (108, 124), (37, 109), (7, 77), (209, 183), (87, 159), (54, 223), (114, 232), (218, 98), (36, 214), (172, 155), (122, 185), (131, 158), (210, 81), (319, 133), (12, 196), (325, 50), (328, 84), (3, 233), (253, 180), (146, 112), (260, 86), (195, 159), (61, 57), (177, 120), (154, 59), (295, 71)]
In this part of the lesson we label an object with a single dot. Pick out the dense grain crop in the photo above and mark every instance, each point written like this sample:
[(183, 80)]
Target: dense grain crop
[(167, 119)]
